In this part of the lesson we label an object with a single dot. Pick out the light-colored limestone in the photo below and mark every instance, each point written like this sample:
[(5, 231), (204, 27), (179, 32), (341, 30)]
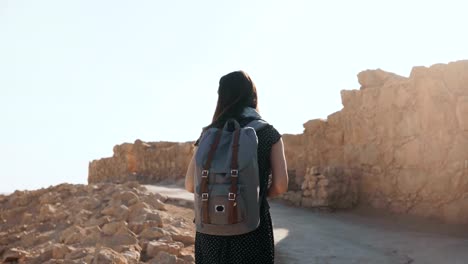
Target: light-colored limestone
[(403, 140), (146, 162), (60, 230)]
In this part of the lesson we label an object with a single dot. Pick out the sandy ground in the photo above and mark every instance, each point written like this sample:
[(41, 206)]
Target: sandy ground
[(306, 236)]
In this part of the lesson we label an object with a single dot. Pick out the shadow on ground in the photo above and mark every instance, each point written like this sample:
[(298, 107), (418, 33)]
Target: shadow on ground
[(364, 237)]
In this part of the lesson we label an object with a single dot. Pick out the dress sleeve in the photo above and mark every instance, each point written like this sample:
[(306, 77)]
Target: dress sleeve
[(272, 135)]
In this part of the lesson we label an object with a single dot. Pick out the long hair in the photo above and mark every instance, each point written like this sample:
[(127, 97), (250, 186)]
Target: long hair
[(236, 91)]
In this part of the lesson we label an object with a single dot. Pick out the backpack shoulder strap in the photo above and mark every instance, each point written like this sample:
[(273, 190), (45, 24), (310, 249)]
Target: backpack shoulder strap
[(257, 124)]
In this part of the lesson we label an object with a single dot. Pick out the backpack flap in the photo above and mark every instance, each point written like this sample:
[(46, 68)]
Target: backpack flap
[(222, 158), (218, 189)]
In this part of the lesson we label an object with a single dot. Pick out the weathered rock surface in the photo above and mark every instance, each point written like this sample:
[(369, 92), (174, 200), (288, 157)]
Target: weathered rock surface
[(145, 162), (96, 223), (405, 140), (330, 188)]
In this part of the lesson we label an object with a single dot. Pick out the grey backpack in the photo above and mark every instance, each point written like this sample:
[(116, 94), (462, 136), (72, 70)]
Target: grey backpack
[(227, 200)]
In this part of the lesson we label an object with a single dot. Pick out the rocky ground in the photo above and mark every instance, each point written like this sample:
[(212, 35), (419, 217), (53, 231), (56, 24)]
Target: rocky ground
[(131, 223), (96, 223)]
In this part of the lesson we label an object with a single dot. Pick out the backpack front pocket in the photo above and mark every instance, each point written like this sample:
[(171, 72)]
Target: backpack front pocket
[(218, 205)]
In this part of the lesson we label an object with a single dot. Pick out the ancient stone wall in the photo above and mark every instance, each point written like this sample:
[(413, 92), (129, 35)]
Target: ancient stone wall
[(318, 177), (405, 138), (146, 162), (409, 138), (330, 188)]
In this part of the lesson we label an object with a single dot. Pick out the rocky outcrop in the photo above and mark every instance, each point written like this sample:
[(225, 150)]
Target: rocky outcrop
[(412, 143), (96, 223), (145, 162), (406, 138)]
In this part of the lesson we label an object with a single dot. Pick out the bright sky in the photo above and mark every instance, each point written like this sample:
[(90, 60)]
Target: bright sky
[(78, 77)]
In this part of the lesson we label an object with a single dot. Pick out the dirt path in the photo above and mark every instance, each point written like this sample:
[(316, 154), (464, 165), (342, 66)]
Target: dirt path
[(305, 236)]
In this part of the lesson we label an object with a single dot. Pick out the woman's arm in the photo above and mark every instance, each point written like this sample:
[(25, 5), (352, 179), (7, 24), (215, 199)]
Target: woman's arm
[(190, 173), (279, 172)]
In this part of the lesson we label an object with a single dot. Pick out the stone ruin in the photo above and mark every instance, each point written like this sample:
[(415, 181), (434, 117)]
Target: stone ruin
[(327, 189), (399, 144), (404, 139), (145, 162)]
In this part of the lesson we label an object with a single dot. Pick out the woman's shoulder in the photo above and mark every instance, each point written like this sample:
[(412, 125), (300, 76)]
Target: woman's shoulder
[(263, 125), (268, 133), (268, 129)]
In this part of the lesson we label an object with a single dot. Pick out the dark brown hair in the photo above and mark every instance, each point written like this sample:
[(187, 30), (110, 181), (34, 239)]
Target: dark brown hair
[(236, 91)]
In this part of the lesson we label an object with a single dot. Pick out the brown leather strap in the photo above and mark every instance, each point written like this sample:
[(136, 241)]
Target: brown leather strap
[(205, 208), (205, 176), (232, 217), (235, 150), (214, 145)]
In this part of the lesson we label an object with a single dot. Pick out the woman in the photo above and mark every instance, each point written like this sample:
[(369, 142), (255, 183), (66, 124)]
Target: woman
[(237, 98)]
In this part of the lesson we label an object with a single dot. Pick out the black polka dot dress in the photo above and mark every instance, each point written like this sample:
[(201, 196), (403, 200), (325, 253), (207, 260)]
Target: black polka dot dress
[(253, 247)]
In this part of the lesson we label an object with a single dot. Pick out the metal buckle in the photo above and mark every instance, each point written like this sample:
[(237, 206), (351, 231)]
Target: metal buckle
[(204, 173), (231, 196), (204, 196), (234, 173)]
